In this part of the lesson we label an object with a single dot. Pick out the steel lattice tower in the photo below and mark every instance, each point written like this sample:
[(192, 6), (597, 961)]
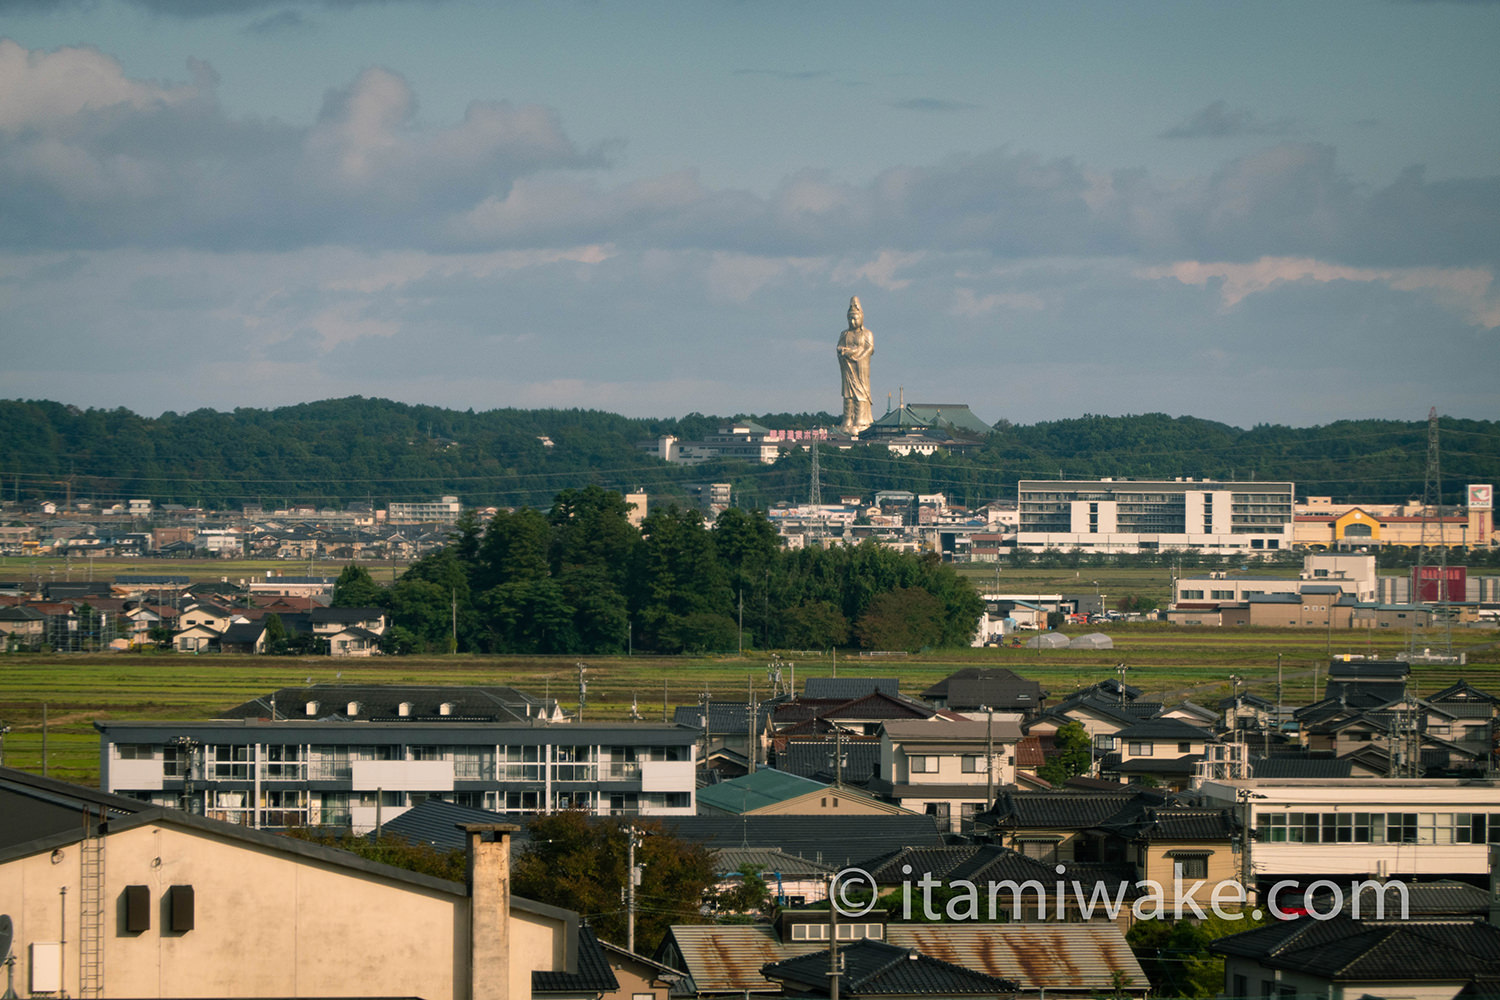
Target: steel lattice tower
[(1433, 545)]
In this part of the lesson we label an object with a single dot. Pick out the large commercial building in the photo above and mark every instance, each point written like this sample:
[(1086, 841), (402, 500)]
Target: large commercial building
[(1129, 515), (341, 772)]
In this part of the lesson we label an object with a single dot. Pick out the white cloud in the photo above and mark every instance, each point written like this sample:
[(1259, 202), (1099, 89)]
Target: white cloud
[(1469, 291)]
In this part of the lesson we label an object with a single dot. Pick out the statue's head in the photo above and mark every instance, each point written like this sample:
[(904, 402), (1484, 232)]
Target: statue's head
[(856, 314)]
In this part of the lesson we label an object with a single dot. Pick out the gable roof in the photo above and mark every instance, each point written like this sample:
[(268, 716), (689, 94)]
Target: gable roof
[(813, 758), (1165, 729), (1343, 950), (831, 840), (767, 786), (1063, 810), (849, 688), (877, 968), (593, 973)]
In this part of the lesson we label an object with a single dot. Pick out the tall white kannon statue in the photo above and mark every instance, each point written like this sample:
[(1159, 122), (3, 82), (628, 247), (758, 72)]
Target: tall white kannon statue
[(856, 344)]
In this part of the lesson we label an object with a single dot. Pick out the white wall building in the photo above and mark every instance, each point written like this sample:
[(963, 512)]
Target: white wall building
[(1124, 515)]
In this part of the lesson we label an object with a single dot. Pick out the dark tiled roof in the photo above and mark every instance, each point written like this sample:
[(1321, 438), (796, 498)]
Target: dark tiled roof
[(814, 759), (1143, 822), (383, 701), (1185, 764), (849, 688), (875, 968), (832, 840), (1463, 691), (1297, 766), (1164, 729), (593, 974), (435, 823), (986, 863), (1346, 950), (725, 716), (1063, 810)]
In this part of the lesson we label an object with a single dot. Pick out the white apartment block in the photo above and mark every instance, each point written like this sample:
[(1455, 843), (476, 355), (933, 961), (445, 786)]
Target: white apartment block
[(1126, 516)]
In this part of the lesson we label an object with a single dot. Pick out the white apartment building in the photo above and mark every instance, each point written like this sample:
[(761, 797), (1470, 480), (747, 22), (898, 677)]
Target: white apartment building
[(1397, 827), (442, 511), (1127, 515), (315, 772)]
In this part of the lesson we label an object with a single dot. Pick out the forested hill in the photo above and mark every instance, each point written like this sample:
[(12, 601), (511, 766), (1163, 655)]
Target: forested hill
[(375, 450)]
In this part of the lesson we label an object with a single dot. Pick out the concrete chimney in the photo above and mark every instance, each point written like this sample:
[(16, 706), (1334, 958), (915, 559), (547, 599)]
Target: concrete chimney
[(489, 909)]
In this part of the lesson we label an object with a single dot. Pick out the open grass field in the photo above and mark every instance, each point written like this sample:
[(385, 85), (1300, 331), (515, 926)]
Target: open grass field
[(1169, 663), (48, 569)]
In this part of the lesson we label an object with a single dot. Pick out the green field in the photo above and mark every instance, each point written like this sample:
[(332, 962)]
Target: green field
[(1168, 662)]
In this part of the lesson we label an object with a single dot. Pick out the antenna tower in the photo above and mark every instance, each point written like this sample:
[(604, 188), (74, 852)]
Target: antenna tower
[(815, 492), (1433, 550)]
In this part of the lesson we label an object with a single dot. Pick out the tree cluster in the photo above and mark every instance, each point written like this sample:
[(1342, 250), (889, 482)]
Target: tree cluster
[(580, 578), (374, 450)]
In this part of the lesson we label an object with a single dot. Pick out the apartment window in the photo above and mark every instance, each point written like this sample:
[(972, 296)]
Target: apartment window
[(1192, 595), (974, 764), (135, 751), (922, 765)]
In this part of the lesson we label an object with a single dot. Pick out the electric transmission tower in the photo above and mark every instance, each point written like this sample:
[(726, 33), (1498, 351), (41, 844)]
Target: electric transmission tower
[(1434, 549), (815, 493)]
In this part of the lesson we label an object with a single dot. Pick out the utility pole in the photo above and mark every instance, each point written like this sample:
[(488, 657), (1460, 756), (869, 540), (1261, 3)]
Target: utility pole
[(750, 743), (583, 690), (989, 755), (833, 941), (632, 879), (742, 621)]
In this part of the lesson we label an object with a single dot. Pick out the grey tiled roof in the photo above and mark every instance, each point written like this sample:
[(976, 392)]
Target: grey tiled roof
[(593, 974), (1345, 950), (876, 968), (831, 840), (849, 688), (1063, 810), (1298, 766)]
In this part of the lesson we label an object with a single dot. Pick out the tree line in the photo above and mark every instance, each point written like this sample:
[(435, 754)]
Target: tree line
[(341, 451), (579, 578)]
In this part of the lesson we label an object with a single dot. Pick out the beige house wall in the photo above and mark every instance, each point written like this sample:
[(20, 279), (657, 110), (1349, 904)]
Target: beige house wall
[(266, 923), (828, 802), (1156, 862)]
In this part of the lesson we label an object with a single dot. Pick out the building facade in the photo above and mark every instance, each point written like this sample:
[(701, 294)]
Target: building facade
[(285, 773), (1126, 516)]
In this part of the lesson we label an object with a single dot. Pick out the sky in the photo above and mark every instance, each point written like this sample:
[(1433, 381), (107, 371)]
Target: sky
[(1271, 212)]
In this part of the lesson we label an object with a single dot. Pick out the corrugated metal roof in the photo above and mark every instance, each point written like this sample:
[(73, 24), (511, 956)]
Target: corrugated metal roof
[(1038, 956), (728, 958)]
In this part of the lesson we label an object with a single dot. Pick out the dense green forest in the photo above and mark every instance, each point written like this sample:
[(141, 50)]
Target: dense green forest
[(375, 450), (580, 578)]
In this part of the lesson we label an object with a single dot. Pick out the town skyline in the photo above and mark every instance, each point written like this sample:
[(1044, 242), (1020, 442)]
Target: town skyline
[(1266, 214)]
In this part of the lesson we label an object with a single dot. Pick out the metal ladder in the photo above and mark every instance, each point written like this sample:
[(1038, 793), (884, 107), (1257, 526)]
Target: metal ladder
[(91, 907)]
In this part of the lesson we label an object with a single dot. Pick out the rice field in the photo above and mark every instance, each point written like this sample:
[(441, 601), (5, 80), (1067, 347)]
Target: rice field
[(1168, 662)]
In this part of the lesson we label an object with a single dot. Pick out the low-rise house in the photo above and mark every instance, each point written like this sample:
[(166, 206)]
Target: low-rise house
[(182, 900), (1346, 959), (976, 689), (1166, 750), (944, 768)]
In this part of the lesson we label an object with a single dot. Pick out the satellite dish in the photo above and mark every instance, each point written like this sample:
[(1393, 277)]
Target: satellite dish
[(6, 933)]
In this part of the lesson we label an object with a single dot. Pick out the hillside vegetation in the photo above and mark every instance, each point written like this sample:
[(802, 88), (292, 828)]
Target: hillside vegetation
[(374, 450)]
